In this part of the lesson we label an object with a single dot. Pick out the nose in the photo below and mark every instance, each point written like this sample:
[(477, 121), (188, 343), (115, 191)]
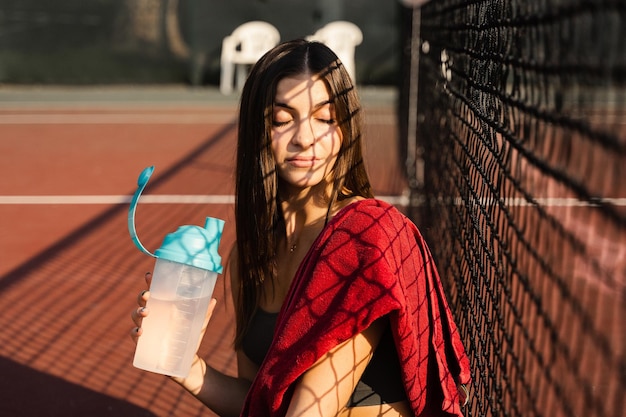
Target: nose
[(304, 136)]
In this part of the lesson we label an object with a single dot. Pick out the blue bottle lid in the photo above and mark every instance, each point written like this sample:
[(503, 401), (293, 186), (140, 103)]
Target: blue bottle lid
[(194, 245), (190, 245)]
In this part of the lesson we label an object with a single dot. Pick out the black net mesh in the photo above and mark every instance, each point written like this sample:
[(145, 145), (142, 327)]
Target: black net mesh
[(519, 187)]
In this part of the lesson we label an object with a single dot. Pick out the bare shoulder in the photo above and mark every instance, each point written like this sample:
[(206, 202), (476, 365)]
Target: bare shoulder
[(340, 205)]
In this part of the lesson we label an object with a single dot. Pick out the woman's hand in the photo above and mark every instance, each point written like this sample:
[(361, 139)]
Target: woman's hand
[(138, 314)]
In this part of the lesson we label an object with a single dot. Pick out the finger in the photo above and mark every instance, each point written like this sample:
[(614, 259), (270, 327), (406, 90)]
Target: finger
[(209, 313), (463, 394), (138, 315), (148, 278), (142, 298), (135, 333)]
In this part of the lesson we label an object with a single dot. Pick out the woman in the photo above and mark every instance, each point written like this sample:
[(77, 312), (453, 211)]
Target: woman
[(339, 307)]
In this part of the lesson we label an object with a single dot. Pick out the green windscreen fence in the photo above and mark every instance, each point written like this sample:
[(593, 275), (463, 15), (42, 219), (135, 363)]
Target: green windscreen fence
[(519, 185)]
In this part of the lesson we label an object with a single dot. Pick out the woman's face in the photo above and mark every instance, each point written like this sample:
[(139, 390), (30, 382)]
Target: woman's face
[(305, 135)]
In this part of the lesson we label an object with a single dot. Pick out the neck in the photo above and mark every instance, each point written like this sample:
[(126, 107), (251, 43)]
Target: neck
[(298, 217), (304, 213)]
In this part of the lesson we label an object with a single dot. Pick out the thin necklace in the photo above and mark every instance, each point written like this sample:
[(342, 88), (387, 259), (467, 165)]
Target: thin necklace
[(294, 246)]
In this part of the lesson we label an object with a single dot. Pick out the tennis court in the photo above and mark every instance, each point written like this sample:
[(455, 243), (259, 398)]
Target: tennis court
[(515, 113), (69, 272)]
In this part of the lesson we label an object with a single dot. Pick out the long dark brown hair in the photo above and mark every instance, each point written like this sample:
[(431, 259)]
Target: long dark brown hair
[(258, 215)]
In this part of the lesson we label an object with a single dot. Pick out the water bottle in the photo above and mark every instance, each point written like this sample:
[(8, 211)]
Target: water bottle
[(185, 272)]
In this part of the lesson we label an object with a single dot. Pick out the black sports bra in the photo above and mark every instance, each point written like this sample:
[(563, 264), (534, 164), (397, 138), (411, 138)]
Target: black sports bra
[(381, 382)]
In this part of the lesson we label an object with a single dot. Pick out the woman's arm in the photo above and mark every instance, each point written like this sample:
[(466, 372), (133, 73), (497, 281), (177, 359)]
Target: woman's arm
[(222, 393), (324, 389)]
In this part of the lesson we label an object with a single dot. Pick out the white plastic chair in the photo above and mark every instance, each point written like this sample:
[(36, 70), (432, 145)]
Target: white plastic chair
[(343, 38), (243, 48)]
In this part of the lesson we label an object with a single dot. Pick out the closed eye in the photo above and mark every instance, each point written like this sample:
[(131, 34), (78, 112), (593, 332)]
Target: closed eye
[(277, 123)]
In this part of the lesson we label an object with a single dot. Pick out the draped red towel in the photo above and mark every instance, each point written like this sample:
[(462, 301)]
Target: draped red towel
[(368, 262)]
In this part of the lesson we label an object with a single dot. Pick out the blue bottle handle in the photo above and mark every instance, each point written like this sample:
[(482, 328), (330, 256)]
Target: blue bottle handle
[(141, 182)]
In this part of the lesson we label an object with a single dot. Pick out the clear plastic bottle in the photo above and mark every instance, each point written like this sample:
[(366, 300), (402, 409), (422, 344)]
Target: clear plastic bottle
[(185, 273)]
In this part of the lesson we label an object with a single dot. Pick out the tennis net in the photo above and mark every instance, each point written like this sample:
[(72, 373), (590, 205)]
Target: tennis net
[(517, 170)]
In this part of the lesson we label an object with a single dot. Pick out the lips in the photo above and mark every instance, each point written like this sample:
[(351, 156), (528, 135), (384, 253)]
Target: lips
[(301, 161)]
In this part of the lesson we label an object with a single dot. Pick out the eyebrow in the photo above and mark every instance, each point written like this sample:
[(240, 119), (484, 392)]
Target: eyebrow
[(315, 107)]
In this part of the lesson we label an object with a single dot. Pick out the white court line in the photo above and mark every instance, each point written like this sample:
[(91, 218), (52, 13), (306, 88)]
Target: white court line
[(401, 200), (564, 202), (207, 117), (522, 202), (145, 199), (116, 199)]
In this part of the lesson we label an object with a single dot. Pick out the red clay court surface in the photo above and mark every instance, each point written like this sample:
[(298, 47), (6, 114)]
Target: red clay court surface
[(69, 274)]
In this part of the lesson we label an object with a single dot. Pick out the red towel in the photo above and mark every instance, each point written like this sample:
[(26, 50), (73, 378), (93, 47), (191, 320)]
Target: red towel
[(369, 261)]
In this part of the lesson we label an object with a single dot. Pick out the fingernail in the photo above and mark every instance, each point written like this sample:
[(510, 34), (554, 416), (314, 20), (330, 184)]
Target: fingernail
[(142, 310), (143, 292), (148, 273)]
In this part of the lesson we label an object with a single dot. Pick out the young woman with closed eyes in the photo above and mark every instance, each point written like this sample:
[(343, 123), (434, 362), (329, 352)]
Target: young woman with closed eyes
[(326, 279)]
